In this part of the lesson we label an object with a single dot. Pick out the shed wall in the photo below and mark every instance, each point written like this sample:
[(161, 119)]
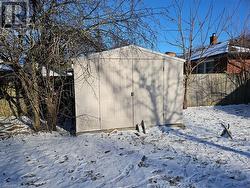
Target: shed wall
[(125, 87)]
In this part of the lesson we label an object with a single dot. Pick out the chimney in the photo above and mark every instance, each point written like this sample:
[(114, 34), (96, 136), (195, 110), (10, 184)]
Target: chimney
[(172, 54), (213, 39)]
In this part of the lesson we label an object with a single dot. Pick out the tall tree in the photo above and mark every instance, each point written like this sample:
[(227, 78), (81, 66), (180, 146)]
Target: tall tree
[(57, 32)]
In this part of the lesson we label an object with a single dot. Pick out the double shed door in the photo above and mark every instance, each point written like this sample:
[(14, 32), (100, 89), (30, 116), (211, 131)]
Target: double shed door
[(131, 90)]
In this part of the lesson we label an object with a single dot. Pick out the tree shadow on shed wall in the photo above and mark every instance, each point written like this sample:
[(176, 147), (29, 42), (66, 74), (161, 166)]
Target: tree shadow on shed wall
[(147, 86)]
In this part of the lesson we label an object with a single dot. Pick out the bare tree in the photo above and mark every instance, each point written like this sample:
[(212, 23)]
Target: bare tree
[(193, 30), (58, 31)]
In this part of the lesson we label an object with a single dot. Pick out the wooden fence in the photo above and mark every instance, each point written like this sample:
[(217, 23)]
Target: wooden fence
[(217, 89), (203, 90)]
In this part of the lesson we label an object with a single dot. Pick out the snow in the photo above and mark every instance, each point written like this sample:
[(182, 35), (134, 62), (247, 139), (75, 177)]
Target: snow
[(11, 126), (212, 50), (164, 157), (220, 48), (4, 67)]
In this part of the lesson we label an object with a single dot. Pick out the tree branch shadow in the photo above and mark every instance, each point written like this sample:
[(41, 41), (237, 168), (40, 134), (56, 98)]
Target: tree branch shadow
[(202, 141)]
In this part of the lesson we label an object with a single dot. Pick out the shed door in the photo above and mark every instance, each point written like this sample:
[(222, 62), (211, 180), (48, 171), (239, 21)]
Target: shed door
[(148, 91), (115, 93)]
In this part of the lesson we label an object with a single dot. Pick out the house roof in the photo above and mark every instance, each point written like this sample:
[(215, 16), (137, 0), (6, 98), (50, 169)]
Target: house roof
[(55, 73), (217, 49), (51, 72), (5, 68), (134, 47)]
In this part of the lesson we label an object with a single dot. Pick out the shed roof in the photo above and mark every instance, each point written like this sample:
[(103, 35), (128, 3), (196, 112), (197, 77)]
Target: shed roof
[(134, 48)]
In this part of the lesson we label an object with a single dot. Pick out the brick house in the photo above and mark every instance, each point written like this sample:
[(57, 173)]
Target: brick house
[(232, 56)]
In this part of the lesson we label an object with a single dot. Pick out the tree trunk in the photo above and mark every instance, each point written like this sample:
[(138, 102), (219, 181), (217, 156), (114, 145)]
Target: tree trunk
[(36, 116), (18, 103), (51, 102), (35, 98), (51, 113), (32, 100), (185, 101)]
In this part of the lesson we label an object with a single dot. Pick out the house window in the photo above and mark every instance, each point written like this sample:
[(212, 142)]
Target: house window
[(206, 67), (210, 67), (200, 68)]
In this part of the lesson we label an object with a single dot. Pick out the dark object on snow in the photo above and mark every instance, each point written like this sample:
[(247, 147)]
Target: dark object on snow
[(142, 162), (137, 134), (226, 133), (141, 127), (137, 127)]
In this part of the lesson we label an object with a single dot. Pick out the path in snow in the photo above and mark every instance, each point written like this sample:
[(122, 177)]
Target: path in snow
[(194, 157)]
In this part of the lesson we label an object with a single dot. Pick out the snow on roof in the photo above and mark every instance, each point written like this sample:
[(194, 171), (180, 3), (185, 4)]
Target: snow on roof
[(239, 49), (51, 72), (217, 49), (211, 51), (5, 68)]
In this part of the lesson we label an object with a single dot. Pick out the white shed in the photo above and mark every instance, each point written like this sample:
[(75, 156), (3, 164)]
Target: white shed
[(125, 86)]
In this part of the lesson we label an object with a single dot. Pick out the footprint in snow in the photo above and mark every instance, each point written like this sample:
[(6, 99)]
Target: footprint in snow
[(35, 183), (127, 153), (173, 181), (41, 166), (71, 171), (30, 161), (88, 175), (30, 179), (159, 171), (143, 163), (63, 159), (236, 175), (221, 161), (29, 175)]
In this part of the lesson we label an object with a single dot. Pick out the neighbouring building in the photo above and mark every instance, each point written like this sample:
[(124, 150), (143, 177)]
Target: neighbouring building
[(232, 56), (221, 73)]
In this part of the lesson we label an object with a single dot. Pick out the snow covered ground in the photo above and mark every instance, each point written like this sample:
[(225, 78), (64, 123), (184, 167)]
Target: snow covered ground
[(165, 157)]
